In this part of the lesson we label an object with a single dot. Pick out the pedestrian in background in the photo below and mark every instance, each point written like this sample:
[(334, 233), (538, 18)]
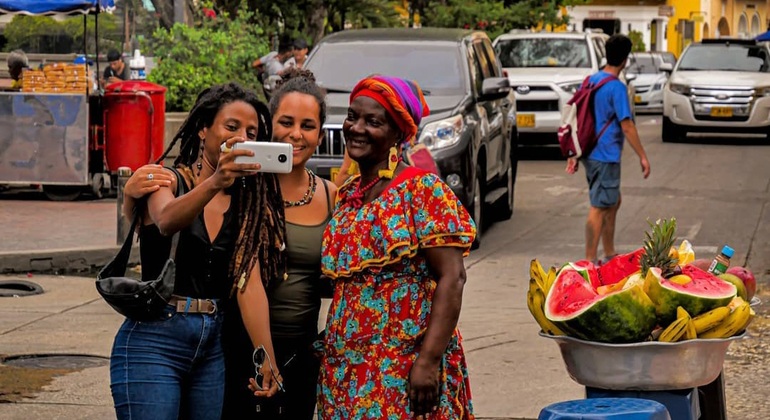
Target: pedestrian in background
[(117, 71), (272, 66), (602, 166), (394, 250), (231, 236), (299, 54), (17, 61), (298, 110)]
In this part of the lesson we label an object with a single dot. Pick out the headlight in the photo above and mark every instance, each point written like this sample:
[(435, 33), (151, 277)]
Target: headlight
[(443, 133), (762, 91), (570, 87), (680, 89)]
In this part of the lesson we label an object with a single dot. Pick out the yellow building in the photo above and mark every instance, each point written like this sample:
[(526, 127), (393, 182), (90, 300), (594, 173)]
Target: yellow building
[(693, 20)]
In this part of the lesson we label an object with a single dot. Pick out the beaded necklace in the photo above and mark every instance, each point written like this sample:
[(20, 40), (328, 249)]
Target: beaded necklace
[(357, 198), (308, 197)]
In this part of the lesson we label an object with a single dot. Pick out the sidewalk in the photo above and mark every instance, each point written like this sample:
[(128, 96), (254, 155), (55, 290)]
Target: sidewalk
[(71, 319)]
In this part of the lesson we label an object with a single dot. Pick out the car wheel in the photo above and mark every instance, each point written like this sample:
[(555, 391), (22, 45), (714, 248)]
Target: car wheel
[(477, 208), (672, 133), (503, 209)]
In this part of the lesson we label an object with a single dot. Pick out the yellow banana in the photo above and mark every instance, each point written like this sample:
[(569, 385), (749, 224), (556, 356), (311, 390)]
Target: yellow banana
[(550, 277), (536, 303), (536, 272), (734, 323), (689, 328), (675, 331), (710, 319)]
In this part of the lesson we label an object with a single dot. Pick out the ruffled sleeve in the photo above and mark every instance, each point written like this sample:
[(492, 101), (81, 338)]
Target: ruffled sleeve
[(438, 218)]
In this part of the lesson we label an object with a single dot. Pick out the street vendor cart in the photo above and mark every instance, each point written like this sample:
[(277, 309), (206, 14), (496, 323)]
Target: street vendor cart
[(55, 134)]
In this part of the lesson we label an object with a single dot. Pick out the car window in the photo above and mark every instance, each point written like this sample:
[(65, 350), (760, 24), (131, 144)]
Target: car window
[(543, 52), (339, 66), (494, 63), (477, 76), (599, 46), (484, 65), (644, 64), (725, 58)]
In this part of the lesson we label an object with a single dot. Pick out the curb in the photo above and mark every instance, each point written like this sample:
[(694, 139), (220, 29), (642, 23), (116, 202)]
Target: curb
[(58, 261)]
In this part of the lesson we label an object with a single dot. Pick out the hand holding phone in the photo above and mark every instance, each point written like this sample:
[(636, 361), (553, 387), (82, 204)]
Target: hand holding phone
[(271, 157)]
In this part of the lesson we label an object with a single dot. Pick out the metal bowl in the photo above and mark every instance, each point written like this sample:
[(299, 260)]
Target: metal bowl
[(645, 366)]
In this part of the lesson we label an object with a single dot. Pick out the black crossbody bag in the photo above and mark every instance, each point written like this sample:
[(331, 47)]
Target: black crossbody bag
[(133, 298)]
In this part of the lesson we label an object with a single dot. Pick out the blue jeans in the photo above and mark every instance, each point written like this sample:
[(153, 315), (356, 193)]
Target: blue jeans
[(170, 368)]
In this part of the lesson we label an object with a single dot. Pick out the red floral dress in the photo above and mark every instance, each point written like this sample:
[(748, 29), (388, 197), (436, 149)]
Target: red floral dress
[(383, 291)]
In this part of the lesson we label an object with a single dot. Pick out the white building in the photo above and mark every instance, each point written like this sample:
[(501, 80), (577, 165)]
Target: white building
[(650, 20)]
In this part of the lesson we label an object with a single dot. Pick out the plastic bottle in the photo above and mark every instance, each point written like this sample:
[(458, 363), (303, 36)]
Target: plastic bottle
[(722, 261), (137, 64)]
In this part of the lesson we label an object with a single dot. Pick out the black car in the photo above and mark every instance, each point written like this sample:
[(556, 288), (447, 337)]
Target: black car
[(471, 127)]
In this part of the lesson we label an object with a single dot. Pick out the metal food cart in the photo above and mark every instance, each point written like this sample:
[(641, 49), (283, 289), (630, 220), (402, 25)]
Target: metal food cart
[(54, 140)]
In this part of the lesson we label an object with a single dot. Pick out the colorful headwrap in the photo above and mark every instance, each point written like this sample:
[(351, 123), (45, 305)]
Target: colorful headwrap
[(402, 99)]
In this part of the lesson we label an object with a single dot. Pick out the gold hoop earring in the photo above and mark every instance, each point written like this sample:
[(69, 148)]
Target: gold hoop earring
[(392, 164)]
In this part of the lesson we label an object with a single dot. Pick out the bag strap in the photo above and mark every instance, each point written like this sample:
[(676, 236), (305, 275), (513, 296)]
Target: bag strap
[(180, 190)]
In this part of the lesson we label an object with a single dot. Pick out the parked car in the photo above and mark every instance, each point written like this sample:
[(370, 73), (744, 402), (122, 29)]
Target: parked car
[(718, 86), (545, 69), (649, 81), (471, 127)]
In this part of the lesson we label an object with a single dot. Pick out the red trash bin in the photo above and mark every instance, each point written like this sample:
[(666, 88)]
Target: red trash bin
[(134, 124)]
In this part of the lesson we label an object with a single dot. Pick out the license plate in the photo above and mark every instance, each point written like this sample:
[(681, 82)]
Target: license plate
[(333, 173), (525, 120), (722, 111), (637, 99)]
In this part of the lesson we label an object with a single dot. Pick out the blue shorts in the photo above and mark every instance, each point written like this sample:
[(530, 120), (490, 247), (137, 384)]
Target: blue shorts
[(603, 182)]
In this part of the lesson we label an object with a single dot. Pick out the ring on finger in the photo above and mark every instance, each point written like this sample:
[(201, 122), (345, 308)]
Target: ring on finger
[(224, 149), (150, 177)]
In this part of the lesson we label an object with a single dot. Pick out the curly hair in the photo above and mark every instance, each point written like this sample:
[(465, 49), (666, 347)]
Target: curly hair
[(300, 81), (262, 234)]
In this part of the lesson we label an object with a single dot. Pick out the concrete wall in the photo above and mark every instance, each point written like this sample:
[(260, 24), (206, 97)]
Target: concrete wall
[(174, 120)]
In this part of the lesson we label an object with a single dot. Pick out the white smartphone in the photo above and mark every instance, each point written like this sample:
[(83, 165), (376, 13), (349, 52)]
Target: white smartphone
[(273, 157)]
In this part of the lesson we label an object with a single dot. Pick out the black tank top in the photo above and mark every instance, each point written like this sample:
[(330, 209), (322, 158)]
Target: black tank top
[(202, 266)]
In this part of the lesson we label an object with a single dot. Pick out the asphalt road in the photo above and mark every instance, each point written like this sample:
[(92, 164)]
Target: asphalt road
[(717, 190)]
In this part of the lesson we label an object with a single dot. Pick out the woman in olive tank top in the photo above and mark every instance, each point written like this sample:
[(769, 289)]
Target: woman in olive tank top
[(298, 112)]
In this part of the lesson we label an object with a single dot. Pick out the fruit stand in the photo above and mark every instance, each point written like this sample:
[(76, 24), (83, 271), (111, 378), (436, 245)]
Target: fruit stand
[(50, 131), (654, 324)]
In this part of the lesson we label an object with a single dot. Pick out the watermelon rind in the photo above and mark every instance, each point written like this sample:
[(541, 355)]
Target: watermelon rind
[(667, 297), (625, 316)]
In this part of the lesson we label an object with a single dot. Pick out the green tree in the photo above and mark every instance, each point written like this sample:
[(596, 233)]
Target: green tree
[(212, 51), (44, 34), (637, 38)]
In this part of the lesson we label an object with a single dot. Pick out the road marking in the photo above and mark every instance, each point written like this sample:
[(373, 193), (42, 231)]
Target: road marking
[(561, 189)]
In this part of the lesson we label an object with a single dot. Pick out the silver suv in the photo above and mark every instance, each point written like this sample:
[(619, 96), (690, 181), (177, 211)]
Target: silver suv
[(545, 69), (719, 86)]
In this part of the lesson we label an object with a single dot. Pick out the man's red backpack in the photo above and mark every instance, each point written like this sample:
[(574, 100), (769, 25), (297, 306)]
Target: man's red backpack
[(577, 132)]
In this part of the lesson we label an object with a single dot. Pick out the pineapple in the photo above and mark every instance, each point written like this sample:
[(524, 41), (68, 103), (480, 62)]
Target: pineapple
[(657, 247)]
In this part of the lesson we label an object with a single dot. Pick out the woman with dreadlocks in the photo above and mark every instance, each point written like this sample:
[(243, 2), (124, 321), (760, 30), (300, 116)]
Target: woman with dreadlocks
[(394, 251), (298, 110), (231, 239)]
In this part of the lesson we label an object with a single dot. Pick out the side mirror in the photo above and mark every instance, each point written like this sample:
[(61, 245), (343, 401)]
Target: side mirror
[(630, 77), (495, 88), (666, 68)]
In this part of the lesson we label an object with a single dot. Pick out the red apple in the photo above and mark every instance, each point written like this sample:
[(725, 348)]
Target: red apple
[(747, 276)]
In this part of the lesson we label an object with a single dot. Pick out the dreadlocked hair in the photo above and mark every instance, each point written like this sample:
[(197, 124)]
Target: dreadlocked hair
[(262, 234), (300, 81)]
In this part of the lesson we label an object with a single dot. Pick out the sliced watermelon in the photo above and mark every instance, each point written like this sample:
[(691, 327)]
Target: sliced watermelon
[(622, 315), (704, 293), (620, 267)]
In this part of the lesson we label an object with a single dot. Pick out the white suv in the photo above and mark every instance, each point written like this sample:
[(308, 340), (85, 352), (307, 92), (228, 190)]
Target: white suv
[(719, 86), (545, 69)]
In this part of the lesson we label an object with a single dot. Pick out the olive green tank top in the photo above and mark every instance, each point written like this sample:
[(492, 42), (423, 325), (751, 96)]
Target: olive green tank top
[(296, 301)]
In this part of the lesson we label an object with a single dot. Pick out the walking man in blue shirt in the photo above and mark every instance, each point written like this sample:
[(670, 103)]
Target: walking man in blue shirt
[(602, 165)]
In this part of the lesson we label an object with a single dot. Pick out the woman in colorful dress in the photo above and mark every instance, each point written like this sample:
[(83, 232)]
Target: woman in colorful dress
[(394, 250)]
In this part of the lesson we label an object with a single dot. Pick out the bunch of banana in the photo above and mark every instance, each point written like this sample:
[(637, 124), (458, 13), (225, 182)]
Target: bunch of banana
[(539, 284), (683, 328), (739, 317), (722, 322)]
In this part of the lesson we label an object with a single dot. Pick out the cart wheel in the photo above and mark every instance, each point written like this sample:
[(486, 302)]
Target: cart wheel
[(62, 192)]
